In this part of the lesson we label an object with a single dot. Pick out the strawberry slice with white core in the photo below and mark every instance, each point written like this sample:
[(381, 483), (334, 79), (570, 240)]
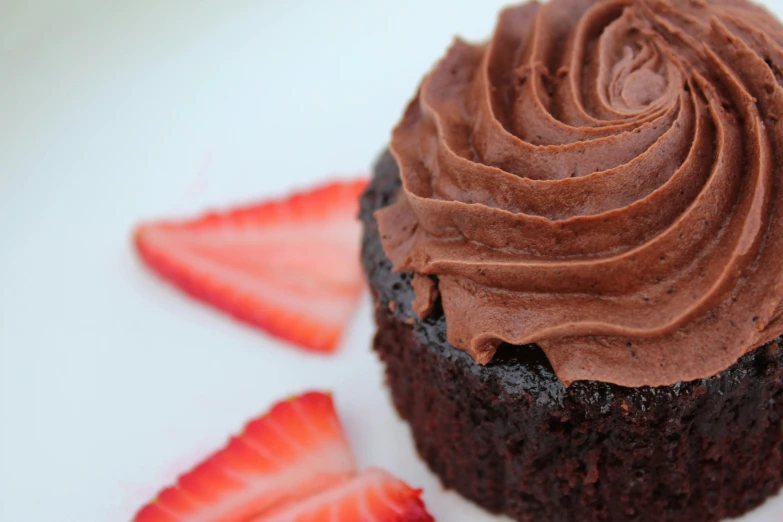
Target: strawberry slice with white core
[(289, 267), (296, 450), (373, 496)]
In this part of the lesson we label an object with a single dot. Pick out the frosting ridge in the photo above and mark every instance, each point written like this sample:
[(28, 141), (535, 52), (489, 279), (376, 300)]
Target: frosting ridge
[(602, 178)]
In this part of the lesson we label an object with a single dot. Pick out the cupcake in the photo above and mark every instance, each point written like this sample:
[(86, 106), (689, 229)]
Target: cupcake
[(575, 246)]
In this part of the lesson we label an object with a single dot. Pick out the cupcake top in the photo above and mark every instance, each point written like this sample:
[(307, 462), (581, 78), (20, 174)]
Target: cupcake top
[(603, 179)]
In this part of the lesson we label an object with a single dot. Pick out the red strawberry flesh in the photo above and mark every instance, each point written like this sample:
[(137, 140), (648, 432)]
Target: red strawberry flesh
[(290, 267), (373, 496), (298, 449)]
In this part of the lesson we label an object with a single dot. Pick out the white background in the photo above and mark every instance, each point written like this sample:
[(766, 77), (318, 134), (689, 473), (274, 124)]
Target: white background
[(112, 383)]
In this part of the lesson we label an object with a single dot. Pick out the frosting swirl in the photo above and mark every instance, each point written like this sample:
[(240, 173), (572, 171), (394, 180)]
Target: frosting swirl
[(602, 178)]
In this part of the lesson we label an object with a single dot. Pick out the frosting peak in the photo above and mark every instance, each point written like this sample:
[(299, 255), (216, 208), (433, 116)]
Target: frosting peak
[(602, 178)]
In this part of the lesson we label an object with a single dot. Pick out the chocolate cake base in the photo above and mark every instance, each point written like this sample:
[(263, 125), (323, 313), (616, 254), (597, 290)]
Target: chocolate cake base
[(513, 439)]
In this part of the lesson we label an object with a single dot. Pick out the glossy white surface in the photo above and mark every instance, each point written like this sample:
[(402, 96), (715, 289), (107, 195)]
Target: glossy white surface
[(110, 382)]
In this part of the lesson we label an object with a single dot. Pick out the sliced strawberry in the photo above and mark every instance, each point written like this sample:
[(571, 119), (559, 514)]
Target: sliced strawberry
[(296, 450), (373, 496), (290, 267)]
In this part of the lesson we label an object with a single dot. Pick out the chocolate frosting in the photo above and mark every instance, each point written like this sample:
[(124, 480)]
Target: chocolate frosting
[(602, 178), (426, 295)]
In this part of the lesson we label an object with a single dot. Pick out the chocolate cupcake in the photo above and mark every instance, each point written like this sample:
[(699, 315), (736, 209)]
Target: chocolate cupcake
[(575, 250)]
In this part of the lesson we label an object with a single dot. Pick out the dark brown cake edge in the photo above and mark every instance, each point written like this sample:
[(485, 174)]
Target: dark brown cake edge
[(511, 438)]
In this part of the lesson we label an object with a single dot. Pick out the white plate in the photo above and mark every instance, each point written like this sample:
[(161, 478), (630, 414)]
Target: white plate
[(110, 112)]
